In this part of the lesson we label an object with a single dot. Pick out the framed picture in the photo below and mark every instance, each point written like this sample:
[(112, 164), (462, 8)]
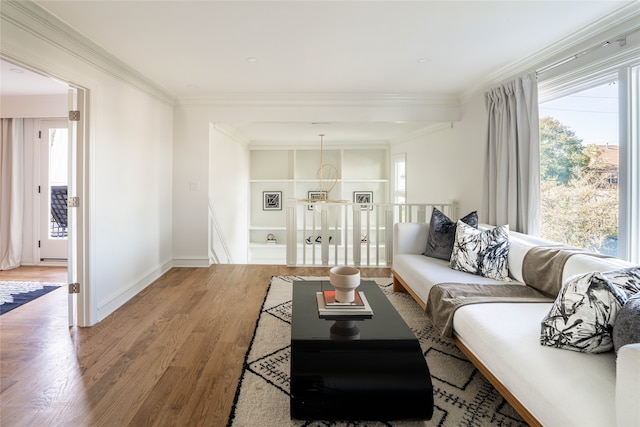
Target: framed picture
[(363, 197), (272, 200), (316, 195)]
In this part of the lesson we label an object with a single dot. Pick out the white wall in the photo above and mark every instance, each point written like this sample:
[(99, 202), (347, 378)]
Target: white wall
[(190, 186), (468, 165), (34, 106), (219, 165), (228, 191), (447, 163), (130, 168), (131, 192)]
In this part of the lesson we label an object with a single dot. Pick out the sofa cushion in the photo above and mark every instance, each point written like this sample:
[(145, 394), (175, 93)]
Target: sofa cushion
[(560, 388), (626, 329), (628, 386), (484, 253), (518, 248), (583, 314), (421, 273), (442, 233)]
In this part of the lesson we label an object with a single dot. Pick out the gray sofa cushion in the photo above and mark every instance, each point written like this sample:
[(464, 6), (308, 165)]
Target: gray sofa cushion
[(442, 233)]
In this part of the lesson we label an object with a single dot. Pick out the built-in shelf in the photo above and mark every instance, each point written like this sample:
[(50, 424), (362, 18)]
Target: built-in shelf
[(292, 173)]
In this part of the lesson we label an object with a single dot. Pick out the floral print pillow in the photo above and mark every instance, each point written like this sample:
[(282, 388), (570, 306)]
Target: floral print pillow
[(484, 253), (583, 315)]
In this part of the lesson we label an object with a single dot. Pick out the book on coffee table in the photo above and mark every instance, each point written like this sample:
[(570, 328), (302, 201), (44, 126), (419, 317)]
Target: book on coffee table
[(340, 309), (330, 300)]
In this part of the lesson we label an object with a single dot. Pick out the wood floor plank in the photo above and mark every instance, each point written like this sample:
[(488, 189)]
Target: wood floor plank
[(172, 356), (35, 274)]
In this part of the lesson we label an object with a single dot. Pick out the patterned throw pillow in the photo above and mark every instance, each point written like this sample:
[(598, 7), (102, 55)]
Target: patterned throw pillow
[(582, 316), (484, 253), (442, 233), (628, 279), (626, 329)]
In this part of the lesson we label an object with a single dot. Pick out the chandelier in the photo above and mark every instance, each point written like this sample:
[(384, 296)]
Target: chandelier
[(327, 177)]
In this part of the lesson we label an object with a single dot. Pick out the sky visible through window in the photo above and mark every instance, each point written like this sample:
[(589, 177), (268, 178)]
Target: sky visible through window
[(584, 211), (592, 114)]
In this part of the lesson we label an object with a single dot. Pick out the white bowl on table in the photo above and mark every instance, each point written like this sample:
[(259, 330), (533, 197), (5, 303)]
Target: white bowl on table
[(346, 280)]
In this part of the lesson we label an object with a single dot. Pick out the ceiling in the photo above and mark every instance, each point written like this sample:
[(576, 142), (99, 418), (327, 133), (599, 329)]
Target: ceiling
[(345, 48), (19, 81)]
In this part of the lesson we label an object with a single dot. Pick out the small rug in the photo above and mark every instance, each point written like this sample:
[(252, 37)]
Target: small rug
[(462, 396), (14, 294)]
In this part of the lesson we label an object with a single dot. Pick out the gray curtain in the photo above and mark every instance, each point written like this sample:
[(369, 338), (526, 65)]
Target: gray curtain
[(11, 192), (512, 162)]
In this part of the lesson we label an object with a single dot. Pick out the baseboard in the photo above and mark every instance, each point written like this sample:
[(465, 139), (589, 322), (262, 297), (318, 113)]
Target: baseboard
[(53, 263), (118, 300), (191, 262)]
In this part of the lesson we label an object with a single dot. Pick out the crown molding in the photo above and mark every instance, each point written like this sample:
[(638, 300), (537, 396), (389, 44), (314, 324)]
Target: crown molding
[(40, 23), (319, 99), (624, 19), (427, 130), (231, 132), (314, 145), (316, 107)]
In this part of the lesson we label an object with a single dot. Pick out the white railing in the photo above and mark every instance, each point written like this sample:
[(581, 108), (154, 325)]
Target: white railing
[(335, 233)]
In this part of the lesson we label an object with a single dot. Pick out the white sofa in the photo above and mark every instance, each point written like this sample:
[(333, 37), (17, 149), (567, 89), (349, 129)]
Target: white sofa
[(547, 386)]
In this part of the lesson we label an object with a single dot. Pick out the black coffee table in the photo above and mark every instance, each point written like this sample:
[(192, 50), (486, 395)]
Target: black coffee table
[(366, 369)]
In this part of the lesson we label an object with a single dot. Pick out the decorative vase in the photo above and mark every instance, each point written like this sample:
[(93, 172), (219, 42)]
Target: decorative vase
[(346, 280)]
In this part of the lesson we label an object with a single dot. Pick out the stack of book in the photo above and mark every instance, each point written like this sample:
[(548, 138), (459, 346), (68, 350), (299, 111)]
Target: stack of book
[(329, 307)]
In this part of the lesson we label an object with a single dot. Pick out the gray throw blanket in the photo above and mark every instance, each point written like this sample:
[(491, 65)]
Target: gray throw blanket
[(445, 298), (542, 267)]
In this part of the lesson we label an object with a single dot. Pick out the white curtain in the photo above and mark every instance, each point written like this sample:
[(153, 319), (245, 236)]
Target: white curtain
[(512, 171), (11, 192)]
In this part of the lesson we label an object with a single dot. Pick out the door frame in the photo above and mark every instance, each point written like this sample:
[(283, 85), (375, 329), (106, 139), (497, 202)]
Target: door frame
[(78, 258)]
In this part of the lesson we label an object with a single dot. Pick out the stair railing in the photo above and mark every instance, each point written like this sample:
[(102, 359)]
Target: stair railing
[(359, 234)]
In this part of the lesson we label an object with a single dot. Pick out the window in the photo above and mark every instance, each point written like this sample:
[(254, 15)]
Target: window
[(58, 159), (590, 157), (630, 168), (579, 168), (399, 178), (399, 184)]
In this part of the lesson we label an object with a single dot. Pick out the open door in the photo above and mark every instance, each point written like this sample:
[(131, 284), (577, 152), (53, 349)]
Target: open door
[(77, 202)]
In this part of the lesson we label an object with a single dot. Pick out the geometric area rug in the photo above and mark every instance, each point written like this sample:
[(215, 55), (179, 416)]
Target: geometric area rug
[(462, 396), (14, 294)]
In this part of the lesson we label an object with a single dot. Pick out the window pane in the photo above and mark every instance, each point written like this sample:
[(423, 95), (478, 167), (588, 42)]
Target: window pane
[(58, 173), (58, 156), (399, 171), (579, 169)]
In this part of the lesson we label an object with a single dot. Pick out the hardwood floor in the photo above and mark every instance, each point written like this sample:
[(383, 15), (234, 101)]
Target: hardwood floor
[(171, 356), (35, 274)]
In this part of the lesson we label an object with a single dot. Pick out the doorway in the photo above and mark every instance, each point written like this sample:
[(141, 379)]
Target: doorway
[(53, 137), (34, 97)]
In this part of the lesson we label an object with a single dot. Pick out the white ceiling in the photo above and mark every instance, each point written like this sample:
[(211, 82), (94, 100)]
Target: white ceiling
[(413, 48), (18, 81)]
